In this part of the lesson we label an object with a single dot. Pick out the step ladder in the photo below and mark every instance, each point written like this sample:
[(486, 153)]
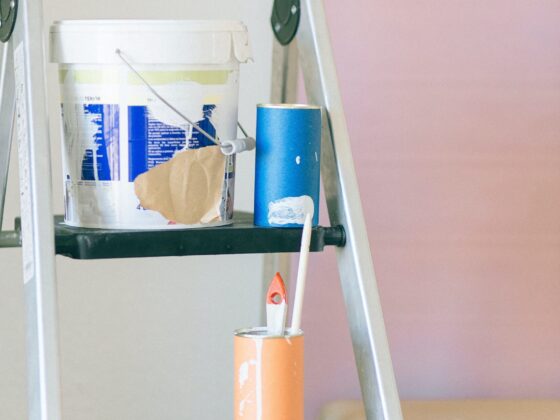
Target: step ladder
[(42, 236)]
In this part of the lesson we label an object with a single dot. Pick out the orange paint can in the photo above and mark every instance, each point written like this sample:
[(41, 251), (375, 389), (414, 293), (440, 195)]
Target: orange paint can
[(268, 379)]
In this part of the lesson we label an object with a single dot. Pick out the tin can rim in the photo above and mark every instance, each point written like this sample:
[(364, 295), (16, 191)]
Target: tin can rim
[(289, 106), (262, 332)]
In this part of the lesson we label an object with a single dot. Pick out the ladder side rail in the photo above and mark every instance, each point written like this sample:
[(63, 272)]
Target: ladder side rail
[(357, 276), (283, 90), (38, 249), (284, 72), (7, 104)]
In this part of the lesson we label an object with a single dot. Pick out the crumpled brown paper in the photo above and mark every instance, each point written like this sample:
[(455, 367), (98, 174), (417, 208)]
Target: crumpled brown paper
[(186, 189)]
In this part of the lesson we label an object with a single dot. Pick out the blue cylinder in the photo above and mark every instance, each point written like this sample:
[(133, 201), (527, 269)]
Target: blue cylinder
[(288, 162)]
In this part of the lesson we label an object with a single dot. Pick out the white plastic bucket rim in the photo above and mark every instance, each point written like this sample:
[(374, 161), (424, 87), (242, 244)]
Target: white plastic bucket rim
[(204, 42)]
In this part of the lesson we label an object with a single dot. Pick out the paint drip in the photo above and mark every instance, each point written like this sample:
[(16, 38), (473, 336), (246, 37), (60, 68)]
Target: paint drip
[(290, 210)]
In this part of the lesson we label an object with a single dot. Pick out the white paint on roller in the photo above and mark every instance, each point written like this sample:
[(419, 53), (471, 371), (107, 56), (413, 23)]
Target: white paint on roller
[(290, 210), (298, 160)]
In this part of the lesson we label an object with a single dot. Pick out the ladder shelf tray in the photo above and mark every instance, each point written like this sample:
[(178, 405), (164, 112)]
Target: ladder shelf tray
[(241, 237)]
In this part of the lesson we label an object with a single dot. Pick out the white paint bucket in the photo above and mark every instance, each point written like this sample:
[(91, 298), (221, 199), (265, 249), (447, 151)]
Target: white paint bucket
[(115, 129)]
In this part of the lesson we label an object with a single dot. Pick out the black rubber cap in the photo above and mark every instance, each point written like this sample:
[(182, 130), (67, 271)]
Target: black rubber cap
[(8, 12), (285, 20)]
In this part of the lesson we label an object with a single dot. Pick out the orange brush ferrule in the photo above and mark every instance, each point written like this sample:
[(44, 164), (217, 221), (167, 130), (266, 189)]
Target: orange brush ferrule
[(276, 291)]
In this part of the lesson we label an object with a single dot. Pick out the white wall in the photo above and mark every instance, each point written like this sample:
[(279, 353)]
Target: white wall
[(142, 339)]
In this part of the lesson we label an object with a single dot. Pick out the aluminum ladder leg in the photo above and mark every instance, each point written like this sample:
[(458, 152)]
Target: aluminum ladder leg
[(23, 79), (356, 268), (7, 104), (363, 306)]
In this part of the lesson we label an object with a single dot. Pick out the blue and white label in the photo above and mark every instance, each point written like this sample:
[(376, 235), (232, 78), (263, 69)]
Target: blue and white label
[(91, 134), (115, 129), (101, 162), (198, 139), (152, 142)]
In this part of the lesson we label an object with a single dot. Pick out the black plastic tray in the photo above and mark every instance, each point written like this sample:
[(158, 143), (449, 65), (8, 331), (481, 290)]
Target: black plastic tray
[(242, 237)]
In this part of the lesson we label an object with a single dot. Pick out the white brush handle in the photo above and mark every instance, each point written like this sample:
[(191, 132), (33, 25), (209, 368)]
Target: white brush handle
[(302, 273)]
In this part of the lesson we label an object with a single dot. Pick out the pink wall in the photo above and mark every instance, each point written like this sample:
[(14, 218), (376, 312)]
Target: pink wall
[(454, 114)]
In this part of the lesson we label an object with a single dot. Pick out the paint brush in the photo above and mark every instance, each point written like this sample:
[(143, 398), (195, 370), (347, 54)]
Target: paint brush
[(302, 273), (276, 306)]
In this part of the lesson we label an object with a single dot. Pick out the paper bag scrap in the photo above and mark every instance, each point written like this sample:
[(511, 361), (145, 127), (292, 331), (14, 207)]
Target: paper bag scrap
[(186, 189)]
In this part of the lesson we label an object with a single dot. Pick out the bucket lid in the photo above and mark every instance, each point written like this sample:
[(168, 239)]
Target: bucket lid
[(149, 41)]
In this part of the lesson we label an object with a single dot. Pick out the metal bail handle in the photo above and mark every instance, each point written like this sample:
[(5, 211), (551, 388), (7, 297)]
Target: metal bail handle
[(8, 13), (228, 147)]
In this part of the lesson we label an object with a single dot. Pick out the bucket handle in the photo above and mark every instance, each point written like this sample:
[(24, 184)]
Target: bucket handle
[(228, 147)]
